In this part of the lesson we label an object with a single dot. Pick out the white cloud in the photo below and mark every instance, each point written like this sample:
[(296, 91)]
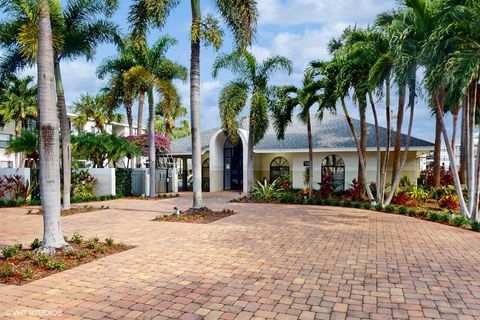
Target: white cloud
[(294, 12), (208, 86)]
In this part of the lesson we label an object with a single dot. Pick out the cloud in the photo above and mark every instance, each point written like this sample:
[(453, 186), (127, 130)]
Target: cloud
[(295, 12)]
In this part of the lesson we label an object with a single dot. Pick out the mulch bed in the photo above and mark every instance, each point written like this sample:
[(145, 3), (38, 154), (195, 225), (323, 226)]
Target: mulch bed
[(26, 266), (161, 196), (202, 216), (71, 211)]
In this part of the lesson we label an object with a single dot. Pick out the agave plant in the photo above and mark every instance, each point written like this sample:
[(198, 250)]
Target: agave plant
[(267, 191)]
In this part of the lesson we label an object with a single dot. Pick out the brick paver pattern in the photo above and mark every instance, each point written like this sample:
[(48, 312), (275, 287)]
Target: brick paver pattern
[(266, 262)]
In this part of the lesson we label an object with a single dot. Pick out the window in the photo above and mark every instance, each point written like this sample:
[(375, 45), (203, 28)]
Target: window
[(334, 164), (278, 167)]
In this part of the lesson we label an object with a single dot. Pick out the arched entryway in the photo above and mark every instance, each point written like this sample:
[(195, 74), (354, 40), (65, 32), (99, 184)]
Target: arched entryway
[(233, 165)]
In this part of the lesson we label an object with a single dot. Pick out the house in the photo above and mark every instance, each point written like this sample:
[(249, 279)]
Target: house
[(224, 163)]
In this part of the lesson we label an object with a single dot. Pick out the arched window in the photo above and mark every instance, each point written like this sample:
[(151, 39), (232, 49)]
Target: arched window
[(334, 164), (206, 175), (278, 167)]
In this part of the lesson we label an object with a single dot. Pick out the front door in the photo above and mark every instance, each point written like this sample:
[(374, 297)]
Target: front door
[(233, 166)]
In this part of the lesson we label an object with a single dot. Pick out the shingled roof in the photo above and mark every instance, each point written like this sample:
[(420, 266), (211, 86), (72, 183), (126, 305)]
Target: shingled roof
[(332, 133)]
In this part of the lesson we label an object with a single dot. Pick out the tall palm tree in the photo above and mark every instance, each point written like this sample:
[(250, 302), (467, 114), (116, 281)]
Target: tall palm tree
[(251, 84), (241, 18), (77, 30), (152, 70), (284, 102), (48, 136), (93, 108), (18, 102), (169, 109)]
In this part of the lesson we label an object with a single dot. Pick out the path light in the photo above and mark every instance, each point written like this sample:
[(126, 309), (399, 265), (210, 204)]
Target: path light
[(177, 211)]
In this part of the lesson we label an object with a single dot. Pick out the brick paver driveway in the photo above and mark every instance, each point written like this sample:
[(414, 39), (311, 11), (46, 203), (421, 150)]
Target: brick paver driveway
[(267, 262)]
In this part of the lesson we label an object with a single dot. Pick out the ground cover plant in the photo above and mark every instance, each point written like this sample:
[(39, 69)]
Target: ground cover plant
[(20, 265), (201, 216)]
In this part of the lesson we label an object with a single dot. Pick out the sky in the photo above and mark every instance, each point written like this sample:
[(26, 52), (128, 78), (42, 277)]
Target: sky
[(297, 29)]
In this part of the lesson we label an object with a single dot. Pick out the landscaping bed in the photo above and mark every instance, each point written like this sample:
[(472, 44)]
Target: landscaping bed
[(71, 211), (202, 216), (19, 266), (160, 196)]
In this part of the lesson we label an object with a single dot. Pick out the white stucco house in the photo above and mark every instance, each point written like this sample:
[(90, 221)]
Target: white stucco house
[(224, 164)]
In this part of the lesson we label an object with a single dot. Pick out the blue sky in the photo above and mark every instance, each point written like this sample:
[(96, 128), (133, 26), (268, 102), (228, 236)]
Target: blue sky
[(297, 29)]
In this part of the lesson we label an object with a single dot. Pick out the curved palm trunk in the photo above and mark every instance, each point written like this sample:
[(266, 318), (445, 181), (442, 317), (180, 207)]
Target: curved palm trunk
[(359, 149), (151, 142), (362, 174), (141, 100), (379, 198), (250, 156), (471, 155), (65, 135), (310, 156), (398, 134), (437, 152), (195, 110), (48, 137), (463, 143)]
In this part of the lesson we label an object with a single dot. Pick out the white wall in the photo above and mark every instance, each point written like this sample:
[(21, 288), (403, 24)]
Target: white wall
[(105, 183)]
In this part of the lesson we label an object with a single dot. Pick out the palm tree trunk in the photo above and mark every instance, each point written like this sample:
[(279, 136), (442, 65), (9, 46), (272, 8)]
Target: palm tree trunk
[(362, 176), (463, 143), (437, 152), (454, 129), (141, 100), (128, 108), (379, 198), (65, 135), (359, 149), (398, 133), (471, 154), (48, 137), (250, 156), (195, 109), (456, 178), (151, 141), (310, 156), (389, 131)]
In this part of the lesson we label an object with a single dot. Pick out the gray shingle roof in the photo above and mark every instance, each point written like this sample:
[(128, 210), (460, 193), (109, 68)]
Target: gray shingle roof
[(330, 133)]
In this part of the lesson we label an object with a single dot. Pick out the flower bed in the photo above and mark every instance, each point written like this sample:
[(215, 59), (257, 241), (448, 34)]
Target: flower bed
[(71, 211), (202, 216), (19, 266)]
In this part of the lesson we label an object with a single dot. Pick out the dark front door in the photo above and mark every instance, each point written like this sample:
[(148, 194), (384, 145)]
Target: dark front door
[(233, 166)]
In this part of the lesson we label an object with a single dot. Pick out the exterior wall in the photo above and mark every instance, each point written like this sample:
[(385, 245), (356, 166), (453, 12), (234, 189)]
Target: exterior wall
[(105, 184), (6, 134)]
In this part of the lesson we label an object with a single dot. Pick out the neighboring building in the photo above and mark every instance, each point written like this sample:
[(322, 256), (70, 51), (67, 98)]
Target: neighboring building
[(6, 133), (224, 164)]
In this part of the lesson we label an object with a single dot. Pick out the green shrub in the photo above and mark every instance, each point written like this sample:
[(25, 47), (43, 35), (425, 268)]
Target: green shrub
[(412, 213), (433, 216), (57, 265), (337, 203), (475, 225), (82, 184), (82, 254), (27, 273), (327, 202), (35, 244), (367, 206), (42, 260), (267, 191), (357, 205), (286, 197), (459, 221), (379, 207), (76, 238), (318, 202), (10, 252), (390, 208), (311, 201), (91, 245), (347, 204), (123, 181), (403, 210), (109, 241), (70, 252), (6, 270), (443, 218)]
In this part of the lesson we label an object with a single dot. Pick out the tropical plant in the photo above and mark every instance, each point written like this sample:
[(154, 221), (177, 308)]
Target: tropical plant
[(77, 29), (82, 184), (26, 143), (327, 186), (250, 85), (168, 110), (48, 137), (267, 191), (14, 187), (94, 108), (102, 148), (286, 99), (142, 143)]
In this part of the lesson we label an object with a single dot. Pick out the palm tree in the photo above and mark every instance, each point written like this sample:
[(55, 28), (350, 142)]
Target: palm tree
[(48, 136), (286, 99), (169, 109), (26, 143), (251, 84), (241, 19), (94, 108), (152, 70), (18, 102), (76, 31)]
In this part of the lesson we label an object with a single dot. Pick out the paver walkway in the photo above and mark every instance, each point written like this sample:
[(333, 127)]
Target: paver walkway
[(267, 262)]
